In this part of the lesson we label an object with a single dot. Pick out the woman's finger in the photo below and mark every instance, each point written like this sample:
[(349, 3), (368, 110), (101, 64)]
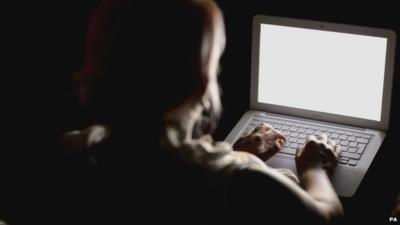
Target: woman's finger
[(331, 142), (337, 150), (323, 137), (279, 135)]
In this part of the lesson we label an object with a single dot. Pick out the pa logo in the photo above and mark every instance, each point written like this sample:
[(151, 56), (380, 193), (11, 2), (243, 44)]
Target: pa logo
[(393, 219)]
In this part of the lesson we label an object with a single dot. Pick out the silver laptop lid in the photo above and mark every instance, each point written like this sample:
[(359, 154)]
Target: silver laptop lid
[(326, 71)]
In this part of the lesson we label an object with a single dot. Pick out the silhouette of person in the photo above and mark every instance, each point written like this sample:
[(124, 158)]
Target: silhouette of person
[(150, 82)]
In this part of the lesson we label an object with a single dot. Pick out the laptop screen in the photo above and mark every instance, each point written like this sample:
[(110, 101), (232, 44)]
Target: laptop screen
[(323, 71)]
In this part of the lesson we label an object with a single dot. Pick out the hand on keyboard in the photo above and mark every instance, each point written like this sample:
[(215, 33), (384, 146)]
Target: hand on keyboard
[(317, 152), (264, 141)]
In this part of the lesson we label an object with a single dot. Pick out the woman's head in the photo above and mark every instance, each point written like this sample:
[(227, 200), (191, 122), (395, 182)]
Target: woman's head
[(156, 57)]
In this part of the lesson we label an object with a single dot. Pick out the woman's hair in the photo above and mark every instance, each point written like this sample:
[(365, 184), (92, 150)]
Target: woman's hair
[(144, 58)]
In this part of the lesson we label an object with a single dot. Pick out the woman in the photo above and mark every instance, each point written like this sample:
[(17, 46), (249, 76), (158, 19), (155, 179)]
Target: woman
[(150, 80)]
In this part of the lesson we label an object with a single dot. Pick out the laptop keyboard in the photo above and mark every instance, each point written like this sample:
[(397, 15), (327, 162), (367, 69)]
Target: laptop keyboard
[(352, 143)]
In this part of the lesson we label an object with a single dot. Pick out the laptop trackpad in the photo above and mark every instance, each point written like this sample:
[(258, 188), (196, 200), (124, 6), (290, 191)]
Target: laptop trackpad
[(345, 179), (282, 161)]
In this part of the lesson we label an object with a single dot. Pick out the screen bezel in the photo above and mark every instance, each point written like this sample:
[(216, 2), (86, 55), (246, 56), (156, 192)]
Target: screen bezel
[(326, 26)]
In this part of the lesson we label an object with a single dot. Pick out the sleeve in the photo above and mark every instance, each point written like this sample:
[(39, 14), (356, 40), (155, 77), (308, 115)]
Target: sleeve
[(256, 198)]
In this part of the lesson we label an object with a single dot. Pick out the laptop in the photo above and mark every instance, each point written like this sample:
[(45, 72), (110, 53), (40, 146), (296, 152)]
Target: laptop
[(311, 77)]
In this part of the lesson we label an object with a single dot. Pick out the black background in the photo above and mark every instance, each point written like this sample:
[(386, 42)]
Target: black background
[(52, 42)]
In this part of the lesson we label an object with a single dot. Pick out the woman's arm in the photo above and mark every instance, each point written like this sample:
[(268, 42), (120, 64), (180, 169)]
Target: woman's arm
[(315, 196), (269, 196), (315, 192), (317, 184), (315, 162)]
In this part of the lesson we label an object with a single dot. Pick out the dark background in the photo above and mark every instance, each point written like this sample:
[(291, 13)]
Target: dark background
[(53, 39)]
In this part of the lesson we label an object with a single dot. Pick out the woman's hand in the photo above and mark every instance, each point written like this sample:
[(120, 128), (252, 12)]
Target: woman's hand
[(264, 141), (318, 152)]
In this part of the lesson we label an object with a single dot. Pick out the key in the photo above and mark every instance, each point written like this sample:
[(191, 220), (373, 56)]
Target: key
[(335, 135), (302, 135), (352, 163), (362, 140), (301, 141), (360, 148), (343, 161), (353, 144), (302, 130), (352, 150), (343, 137), (366, 136), (351, 155), (352, 138)]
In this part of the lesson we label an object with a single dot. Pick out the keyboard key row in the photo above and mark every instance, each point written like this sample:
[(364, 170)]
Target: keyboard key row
[(347, 161), (333, 134), (350, 155), (352, 144), (297, 126)]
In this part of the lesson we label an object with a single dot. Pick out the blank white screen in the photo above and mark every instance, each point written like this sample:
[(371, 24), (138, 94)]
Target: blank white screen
[(323, 71)]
